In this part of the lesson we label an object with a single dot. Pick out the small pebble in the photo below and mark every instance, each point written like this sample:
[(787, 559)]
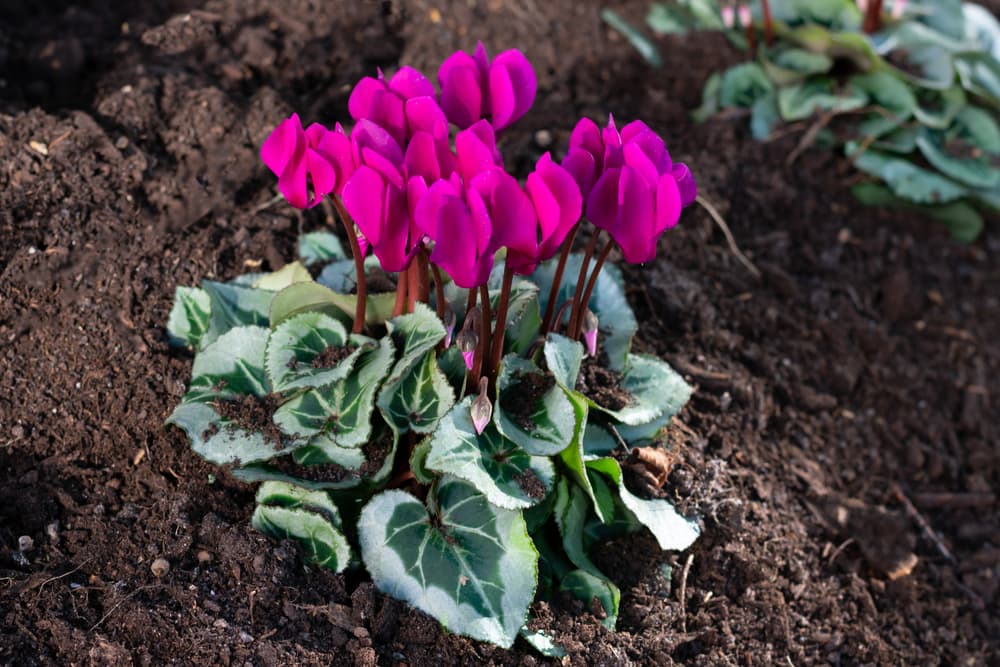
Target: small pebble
[(543, 138), (52, 531), (204, 557), (160, 567), (25, 543)]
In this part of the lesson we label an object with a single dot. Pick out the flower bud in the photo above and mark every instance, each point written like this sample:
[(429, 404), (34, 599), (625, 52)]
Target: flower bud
[(590, 324), (481, 408)]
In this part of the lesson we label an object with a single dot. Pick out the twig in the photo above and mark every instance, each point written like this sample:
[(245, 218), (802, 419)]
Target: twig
[(954, 500), (839, 550), (809, 137), (929, 532), (683, 592), (735, 249), (61, 576)]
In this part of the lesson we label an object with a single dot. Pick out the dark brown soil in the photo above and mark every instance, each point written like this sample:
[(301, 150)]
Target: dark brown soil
[(601, 384), (530, 484), (252, 414), (520, 400), (332, 356), (866, 358)]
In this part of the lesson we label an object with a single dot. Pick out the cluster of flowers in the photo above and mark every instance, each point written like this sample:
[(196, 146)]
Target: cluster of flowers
[(414, 194)]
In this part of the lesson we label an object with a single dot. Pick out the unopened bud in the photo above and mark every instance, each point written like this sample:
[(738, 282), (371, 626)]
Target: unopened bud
[(746, 18), (363, 244), (728, 16), (481, 409), (590, 325), (468, 337)]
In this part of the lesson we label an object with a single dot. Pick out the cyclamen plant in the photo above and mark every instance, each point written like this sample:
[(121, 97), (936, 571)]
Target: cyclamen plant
[(454, 443)]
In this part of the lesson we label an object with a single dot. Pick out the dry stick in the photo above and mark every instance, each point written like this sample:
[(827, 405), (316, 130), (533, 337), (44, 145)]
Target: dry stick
[(574, 314), (735, 249), (438, 291), (684, 585), (922, 522), (550, 307), (590, 286), (810, 136), (359, 267), (501, 330)]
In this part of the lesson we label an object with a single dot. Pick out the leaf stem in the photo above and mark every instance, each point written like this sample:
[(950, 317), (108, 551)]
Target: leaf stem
[(359, 267), (873, 17), (401, 288), (575, 313), (413, 289), (500, 331), (484, 337), (438, 291), (550, 306)]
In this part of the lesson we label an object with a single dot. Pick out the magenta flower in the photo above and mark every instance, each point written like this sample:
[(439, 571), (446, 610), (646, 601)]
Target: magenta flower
[(556, 199), (476, 150), (472, 87), (631, 186), (379, 198), (385, 102), (315, 159)]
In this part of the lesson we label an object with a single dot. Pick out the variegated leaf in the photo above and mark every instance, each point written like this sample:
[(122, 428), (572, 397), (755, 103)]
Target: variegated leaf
[(547, 426)]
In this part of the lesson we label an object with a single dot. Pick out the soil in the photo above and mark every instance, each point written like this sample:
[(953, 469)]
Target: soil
[(860, 369), (601, 384), (520, 400), (252, 414), (332, 356)]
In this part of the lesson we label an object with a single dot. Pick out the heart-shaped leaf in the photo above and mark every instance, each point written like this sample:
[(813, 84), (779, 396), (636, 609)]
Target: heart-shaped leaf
[(235, 305), (289, 274), (507, 475), (936, 109), (888, 92), (419, 400), (532, 410), (802, 100), (320, 247), (310, 350), (764, 117), (742, 85), (189, 316), (905, 179), (285, 511), (709, 99), (655, 388), (958, 159), (563, 357), (792, 65), (467, 563)]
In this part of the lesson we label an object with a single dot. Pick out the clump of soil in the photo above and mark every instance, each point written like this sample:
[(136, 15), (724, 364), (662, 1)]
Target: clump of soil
[(520, 400), (601, 384), (376, 453), (333, 355), (253, 414), (317, 472), (530, 484)]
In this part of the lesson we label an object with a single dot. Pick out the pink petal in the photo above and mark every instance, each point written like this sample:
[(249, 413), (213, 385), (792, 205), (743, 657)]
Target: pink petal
[(469, 358), (416, 188), (455, 247), (632, 129), (363, 244), (321, 174), (557, 201), (285, 143), (635, 158), (408, 83), (581, 166), (424, 115), (685, 183), (514, 224), (590, 339), (335, 147), (669, 203), (461, 90), (482, 59), (654, 148), (587, 135), (512, 87), (367, 134), (293, 183), (364, 199), (634, 227), (421, 157), (396, 247), (390, 171), (475, 150), (481, 409), (602, 204), (362, 98)]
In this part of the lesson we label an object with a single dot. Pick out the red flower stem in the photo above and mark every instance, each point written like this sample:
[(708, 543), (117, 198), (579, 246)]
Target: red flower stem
[(768, 27), (359, 267), (424, 277), (590, 286), (501, 329), (873, 17), (471, 302), (751, 38), (559, 316), (575, 313), (550, 307), (401, 288), (484, 339), (413, 290), (438, 291)]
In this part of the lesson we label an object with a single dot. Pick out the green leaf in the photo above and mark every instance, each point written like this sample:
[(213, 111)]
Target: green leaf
[(571, 511), (285, 511), (847, 45), (293, 359), (341, 276), (792, 65), (497, 467), (981, 27), (573, 457), (980, 75), (419, 400), (763, 117), (338, 416), (656, 389), (875, 194), (645, 47), (905, 179), (965, 167), (469, 564), (964, 223), (925, 64), (287, 275), (523, 318), (542, 643), (319, 247), (744, 84), (672, 531), (936, 109), (803, 100), (234, 305), (563, 357), (414, 334), (664, 19), (231, 366), (189, 316), (902, 140), (709, 99), (887, 91), (310, 296), (833, 14), (548, 428), (978, 126)]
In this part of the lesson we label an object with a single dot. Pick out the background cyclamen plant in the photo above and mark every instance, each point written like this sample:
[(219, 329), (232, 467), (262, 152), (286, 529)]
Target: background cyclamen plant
[(470, 444)]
